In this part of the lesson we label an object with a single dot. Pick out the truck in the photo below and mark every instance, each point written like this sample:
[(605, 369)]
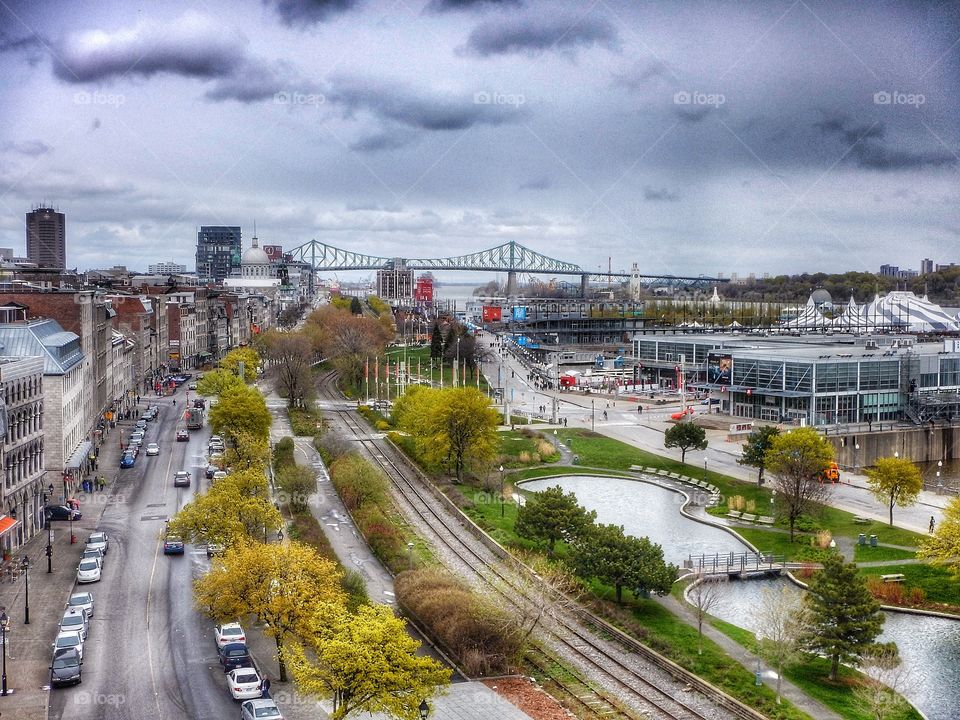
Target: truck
[(194, 418)]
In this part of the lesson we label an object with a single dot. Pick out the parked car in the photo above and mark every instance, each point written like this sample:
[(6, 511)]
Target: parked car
[(88, 571), (153, 449), (94, 554), (260, 710), (74, 619), (183, 436), (214, 549), (228, 633), (61, 512), (98, 541), (82, 601), (192, 386), (65, 668), (181, 479), (211, 469), (200, 403), (128, 460), (68, 639), (219, 475), (172, 545), (234, 655), (142, 424), (244, 683)]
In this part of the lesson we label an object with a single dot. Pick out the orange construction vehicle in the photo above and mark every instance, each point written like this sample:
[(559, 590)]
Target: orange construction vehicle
[(831, 473)]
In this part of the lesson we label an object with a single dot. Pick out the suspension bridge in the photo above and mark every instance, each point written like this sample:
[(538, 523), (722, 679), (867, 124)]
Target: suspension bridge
[(511, 258)]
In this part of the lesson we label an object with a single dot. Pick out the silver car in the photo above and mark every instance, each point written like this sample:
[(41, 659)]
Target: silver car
[(98, 541), (82, 601), (74, 619)]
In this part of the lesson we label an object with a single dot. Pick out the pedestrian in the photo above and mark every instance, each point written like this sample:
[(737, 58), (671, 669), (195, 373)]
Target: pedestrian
[(564, 422), (280, 535), (265, 687), (639, 409), (138, 399), (932, 524)]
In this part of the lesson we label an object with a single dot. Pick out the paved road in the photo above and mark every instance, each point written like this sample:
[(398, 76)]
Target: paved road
[(150, 655)]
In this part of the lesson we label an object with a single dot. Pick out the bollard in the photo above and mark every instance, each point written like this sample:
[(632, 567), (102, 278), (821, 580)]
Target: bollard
[(861, 539), (873, 541)]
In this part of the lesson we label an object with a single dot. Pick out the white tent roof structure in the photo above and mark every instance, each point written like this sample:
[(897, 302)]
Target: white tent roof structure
[(852, 319), (903, 310), (809, 318)]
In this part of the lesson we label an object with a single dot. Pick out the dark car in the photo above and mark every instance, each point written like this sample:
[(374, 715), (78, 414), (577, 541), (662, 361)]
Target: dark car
[(211, 469), (65, 668), (183, 436), (172, 545), (128, 460), (61, 512), (234, 655), (200, 403)]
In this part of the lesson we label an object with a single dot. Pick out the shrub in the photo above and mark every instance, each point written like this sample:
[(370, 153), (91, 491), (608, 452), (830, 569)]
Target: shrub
[(296, 483), (357, 482), (475, 632), (384, 538), (751, 506), (382, 425), (823, 539), (283, 454), (895, 593), (303, 421)]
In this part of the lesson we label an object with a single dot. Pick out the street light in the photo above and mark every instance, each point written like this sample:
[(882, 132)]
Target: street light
[(593, 416), (501, 490), (26, 595), (4, 621), (410, 554), (424, 710)]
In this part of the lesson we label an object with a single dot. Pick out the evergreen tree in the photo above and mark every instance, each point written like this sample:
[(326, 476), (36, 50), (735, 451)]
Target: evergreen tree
[(845, 617), (355, 307), (436, 342), (552, 515), (755, 449), (606, 553)]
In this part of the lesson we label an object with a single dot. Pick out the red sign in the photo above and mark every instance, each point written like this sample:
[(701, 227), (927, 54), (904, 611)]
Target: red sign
[(274, 252), (423, 291), (492, 313)]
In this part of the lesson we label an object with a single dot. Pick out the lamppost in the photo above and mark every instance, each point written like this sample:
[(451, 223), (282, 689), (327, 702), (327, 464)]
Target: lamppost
[(26, 594), (410, 554), (593, 416), (424, 710), (4, 621), (939, 481), (704, 469), (501, 491), (856, 458), (49, 541)]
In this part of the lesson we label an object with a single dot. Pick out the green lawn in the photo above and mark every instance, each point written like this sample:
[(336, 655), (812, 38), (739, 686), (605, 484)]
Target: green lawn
[(517, 450), (936, 582), (865, 553), (778, 543)]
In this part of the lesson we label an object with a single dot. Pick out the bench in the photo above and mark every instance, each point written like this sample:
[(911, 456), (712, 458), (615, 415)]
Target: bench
[(748, 517), (734, 514), (893, 578), (765, 520), (860, 520), (652, 470)]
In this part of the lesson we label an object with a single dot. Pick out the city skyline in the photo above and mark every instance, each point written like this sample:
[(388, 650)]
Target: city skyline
[(711, 139)]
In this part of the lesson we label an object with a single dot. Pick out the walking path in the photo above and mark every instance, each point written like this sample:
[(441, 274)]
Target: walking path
[(462, 700)]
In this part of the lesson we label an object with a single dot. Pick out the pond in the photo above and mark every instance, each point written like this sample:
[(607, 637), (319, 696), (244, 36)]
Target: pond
[(929, 647)]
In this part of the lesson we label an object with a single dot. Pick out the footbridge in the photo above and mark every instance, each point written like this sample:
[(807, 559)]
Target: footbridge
[(732, 565), (511, 258)]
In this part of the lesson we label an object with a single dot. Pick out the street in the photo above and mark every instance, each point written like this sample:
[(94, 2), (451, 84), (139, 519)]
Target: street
[(149, 654)]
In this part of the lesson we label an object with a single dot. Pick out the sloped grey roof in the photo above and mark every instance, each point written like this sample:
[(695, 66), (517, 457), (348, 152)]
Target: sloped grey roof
[(59, 348)]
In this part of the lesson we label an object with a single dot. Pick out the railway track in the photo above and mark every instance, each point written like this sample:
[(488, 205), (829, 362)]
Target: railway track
[(634, 692)]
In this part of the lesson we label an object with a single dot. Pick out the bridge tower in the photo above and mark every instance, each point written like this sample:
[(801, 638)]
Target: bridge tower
[(585, 285), (635, 282), (512, 288)]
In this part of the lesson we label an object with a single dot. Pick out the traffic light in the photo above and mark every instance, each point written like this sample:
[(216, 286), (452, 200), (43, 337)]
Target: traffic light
[(49, 550)]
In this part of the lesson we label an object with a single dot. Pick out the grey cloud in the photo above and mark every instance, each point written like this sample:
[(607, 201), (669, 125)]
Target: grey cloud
[(659, 194), (692, 113), (309, 12), (440, 6), (191, 46), (540, 183), (31, 47), (95, 125), (381, 141), (870, 149), (536, 35), (394, 102), (255, 82), (31, 148), (638, 76)]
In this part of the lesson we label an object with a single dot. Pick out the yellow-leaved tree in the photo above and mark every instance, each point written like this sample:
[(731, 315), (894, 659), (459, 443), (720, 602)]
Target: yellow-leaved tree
[(240, 409), (894, 481), (366, 662), (246, 355), (290, 588), (216, 382), (943, 547)]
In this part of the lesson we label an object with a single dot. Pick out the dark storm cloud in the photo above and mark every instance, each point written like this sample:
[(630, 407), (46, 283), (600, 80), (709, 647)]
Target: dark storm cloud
[(440, 6), (870, 149), (396, 103), (659, 194), (30, 148), (31, 47), (295, 13), (257, 81), (191, 46), (535, 35)]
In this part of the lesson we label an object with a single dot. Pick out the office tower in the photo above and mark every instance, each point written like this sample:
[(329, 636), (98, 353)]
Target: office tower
[(47, 238), (218, 251)]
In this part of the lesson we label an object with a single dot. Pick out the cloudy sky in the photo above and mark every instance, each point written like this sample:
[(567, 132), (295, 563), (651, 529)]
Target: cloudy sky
[(690, 137)]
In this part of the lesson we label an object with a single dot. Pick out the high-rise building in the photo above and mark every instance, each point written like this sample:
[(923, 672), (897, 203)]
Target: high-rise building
[(167, 268), (218, 251), (47, 238), (926, 266)]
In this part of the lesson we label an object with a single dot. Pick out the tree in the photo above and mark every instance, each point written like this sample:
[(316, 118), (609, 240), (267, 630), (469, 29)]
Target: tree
[(454, 428), (217, 382), (552, 515), (884, 677), (297, 483), (703, 595), (248, 452), (291, 354), (686, 436), (844, 617), (241, 410), (246, 355), (436, 342), (347, 340), (796, 459), (755, 449), (368, 663), (895, 481), (784, 621), (546, 592), (943, 547), (356, 307), (287, 587)]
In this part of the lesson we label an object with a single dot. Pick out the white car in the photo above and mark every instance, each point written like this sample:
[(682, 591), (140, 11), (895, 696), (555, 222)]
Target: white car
[(260, 710), (93, 553), (219, 475), (88, 571), (74, 619), (82, 601), (228, 633), (153, 449), (98, 541), (244, 683), (69, 639)]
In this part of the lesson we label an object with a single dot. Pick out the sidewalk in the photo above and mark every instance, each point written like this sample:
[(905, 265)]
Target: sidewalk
[(29, 646)]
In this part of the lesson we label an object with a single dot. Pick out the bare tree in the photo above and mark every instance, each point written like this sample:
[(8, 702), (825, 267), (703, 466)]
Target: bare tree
[(784, 620), (544, 596), (704, 594), (884, 679), (291, 354)]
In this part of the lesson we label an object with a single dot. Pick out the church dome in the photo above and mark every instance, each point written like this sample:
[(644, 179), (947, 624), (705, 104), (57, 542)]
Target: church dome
[(254, 256)]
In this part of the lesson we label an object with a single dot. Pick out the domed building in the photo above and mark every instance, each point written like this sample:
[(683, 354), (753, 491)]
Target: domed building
[(256, 271)]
